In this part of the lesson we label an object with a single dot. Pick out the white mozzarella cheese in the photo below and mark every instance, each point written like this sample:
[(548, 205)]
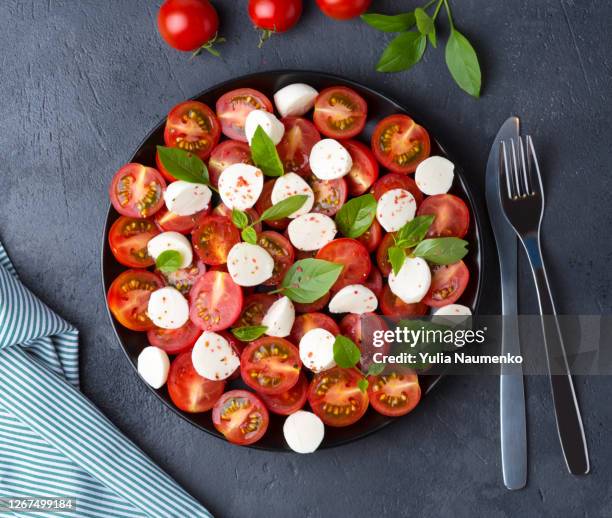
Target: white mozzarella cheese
[(295, 100), (317, 350), (311, 231), (153, 366), (171, 241), (240, 186), (279, 318), (168, 308), (213, 357), (354, 299), (330, 160), (186, 198), (458, 314), (435, 175), (249, 265), (395, 208), (413, 280), (303, 431), (274, 128), (291, 184)]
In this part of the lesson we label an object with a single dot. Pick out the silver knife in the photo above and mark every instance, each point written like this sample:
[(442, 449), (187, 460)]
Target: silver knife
[(511, 389)]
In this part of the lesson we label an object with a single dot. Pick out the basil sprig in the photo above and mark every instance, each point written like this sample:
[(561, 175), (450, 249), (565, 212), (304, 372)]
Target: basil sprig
[(356, 216), (309, 279), (386, 23), (264, 154), (183, 165), (441, 250), (168, 261), (397, 256), (249, 333), (413, 232)]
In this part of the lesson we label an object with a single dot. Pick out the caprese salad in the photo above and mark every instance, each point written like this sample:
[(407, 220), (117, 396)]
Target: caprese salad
[(256, 243)]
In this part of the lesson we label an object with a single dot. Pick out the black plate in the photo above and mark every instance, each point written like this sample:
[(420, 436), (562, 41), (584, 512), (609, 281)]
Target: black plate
[(379, 106)]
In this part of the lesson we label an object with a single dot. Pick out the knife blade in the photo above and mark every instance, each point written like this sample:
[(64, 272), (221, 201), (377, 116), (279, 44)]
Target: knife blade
[(513, 425)]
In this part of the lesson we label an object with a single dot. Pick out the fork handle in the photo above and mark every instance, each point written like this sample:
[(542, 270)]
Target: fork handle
[(567, 413)]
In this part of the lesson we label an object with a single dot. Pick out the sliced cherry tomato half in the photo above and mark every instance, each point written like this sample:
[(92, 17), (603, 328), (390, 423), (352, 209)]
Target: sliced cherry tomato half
[(137, 191), (365, 169), (400, 144), (290, 401), (361, 329), (241, 417), (270, 365), (254, 309), (128, 298), (294, 149), (391, 305), (392, 181), (228, 152), (352, 255), (128, 238), (282, 252), (329, 195), (372, 237), (448, 282), (336, 398), (226, 212), (340, 112), (374, 281), (192, 126), (233, 108), (382, 254), (308, 307), (394, 393), (308, 321), (452, 216), (265, 202), (216, 301), (170, 222), (174, 341), (343, 9), (213, 238), (184, 278)]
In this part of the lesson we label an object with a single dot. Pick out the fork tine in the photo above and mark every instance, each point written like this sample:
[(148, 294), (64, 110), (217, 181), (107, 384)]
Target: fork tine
[(504, 168), (537, 181), (524, 169), (515, 169)]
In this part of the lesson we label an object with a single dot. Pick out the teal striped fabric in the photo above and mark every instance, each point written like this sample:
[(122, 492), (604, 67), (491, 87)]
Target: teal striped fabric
[(53, 441)]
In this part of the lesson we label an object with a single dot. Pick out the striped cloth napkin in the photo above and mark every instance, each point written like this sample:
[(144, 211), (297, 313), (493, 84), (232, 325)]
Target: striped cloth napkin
[(53, 441)]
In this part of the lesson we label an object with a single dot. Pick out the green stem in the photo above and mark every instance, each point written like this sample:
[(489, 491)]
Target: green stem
[(428, 4), (450, 16), (435, 14)]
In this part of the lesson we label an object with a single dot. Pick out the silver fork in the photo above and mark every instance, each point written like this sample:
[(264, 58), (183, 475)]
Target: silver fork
[(522, 199)]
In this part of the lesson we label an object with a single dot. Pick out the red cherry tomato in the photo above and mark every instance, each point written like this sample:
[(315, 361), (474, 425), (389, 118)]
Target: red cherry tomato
[(270, 365), (308, 321), (137, 191), (294, 149), (174, 341), (336, 398), (330, 195), (372, 237), (128, 298), (241, 417), (374, 281), (400, 144), (382, 254), (343, 9), (192, 126), (265, 202), (128, 238), (288, 402), (365, 167), (397, 181), (448, 282), (213, 238), (188, 390), (275, 15), (282, 252), (308, 307), (233, 108), (170, 222), (225, 211), (254, 309), (227, 153), (184, 278), (216, 301), (187, 25), (452, 216), (340, 112), (352, 255), (393, 306), (351, 326), (394, 393)]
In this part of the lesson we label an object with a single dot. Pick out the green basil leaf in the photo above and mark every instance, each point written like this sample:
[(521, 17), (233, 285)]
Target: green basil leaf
[(462, 63), (375, 369), (239, 218), (183, 165), (441, 250), (424, 22), (413, 232), (249, 333), (356, 216), (283, 208), (264, 154), (249, 235), (168, 261), (346, 353), (397, 256), (385, 23), (309, 279), (433, 39), (362, 384), (404, 51)]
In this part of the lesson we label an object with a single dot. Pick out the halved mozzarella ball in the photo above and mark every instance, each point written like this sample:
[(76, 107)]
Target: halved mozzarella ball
[(168, 308), (330, 160), (435, 175), (458, 314), (354, 299), (213, 357), (279, 318), (395, 208), (249, 265), (413, 280), (291, 184), (274, 128), (186, 198), (311, 231), (240, 186), (317, 350), (153, 366), (295, 100), (303, 431), (171, 241)]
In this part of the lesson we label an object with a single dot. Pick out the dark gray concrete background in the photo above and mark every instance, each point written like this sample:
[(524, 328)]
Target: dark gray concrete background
[(83, 81)]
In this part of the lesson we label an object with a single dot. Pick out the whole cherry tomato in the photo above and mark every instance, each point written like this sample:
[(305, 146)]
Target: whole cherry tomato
[(343, 9), (274, 15), (188, 25)]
